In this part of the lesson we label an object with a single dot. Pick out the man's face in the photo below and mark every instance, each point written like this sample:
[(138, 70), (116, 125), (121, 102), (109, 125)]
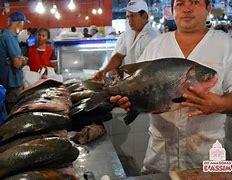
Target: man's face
[(190, 15), (19, 27), (136, 20)]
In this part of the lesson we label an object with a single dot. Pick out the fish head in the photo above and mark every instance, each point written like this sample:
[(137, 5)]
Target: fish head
[(201, 77)]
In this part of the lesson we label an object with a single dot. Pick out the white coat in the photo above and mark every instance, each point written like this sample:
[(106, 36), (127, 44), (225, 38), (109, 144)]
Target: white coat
[(177, 141), (133, 48)]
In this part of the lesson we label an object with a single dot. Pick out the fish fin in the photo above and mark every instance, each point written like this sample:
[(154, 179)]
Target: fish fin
[(95, 100), (132, 68), (93, 85), (130, 116), (179, 99)]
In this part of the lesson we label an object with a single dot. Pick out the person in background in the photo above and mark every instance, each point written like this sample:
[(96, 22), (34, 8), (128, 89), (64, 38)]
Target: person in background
[(41, 54), (93, 31), (32, 38), (73, 29), (110, 33), (86, 32), (181, 139), (136, 39), (11, 59)]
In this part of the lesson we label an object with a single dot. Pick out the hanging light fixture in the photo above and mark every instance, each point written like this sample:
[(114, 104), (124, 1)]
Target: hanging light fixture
[(57, 15), (71, 5), (94, 11), (86, 18), (53, 9), (40, 7), (100, 11)]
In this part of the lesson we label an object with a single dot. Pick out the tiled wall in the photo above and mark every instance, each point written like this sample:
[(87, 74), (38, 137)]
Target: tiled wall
[(130, 142)]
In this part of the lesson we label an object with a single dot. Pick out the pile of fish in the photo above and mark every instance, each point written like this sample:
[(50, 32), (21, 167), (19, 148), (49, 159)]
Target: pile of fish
[(33, 141)]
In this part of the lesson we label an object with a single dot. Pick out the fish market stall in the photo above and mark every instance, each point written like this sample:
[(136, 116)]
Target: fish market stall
[(83, 58), (50, 134)]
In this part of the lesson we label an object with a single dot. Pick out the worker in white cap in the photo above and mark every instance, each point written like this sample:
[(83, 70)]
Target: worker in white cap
[(135, 41), (94, 31)]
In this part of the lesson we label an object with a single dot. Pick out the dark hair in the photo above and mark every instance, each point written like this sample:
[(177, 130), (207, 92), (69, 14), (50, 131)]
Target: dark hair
[(141, 12), (207, 2), (73, 29), (33, 31), (44, 30)]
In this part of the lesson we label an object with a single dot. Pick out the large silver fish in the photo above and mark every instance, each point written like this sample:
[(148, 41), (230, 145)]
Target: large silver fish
[(154, 86)]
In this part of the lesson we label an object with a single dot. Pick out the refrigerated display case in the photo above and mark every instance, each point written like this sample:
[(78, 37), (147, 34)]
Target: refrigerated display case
[(81, 59)]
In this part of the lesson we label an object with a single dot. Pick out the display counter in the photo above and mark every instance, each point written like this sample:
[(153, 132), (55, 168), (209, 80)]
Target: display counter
[(81, 59), (100, 158)]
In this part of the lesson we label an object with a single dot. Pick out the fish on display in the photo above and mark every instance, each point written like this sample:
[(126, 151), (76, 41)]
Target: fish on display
[(31, 123), (77, 96), (39, 153), (155, 86), (44, 93), (40, 84), (52, 104), (60, 133)]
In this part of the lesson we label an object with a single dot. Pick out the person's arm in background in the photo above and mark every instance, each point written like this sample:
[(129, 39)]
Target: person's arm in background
[(115, 62), (116, 59), (16, 59), (19, 62)]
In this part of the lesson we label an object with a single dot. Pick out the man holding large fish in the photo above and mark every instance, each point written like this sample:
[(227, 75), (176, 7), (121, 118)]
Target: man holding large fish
[(181, 139)]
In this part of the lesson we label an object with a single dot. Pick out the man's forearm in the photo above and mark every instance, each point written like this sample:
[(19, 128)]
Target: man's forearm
[(227, 103), (114, 62)]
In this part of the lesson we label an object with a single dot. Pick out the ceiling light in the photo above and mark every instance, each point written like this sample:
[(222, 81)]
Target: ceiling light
[(57, 15), (71, 5), (86, 17), (94, 11), (99, 11), (40, 7), (53, 9)]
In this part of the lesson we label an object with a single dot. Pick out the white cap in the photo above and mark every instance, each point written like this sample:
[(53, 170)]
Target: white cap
[(136, 6), (93, 27), (110, 30)]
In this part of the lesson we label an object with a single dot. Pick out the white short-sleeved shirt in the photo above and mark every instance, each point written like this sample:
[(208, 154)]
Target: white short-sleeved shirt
[(133, 48), (177, 141)]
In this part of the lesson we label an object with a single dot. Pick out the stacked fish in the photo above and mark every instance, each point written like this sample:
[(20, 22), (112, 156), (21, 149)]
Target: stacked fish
[(33, 143), (89, 124)]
